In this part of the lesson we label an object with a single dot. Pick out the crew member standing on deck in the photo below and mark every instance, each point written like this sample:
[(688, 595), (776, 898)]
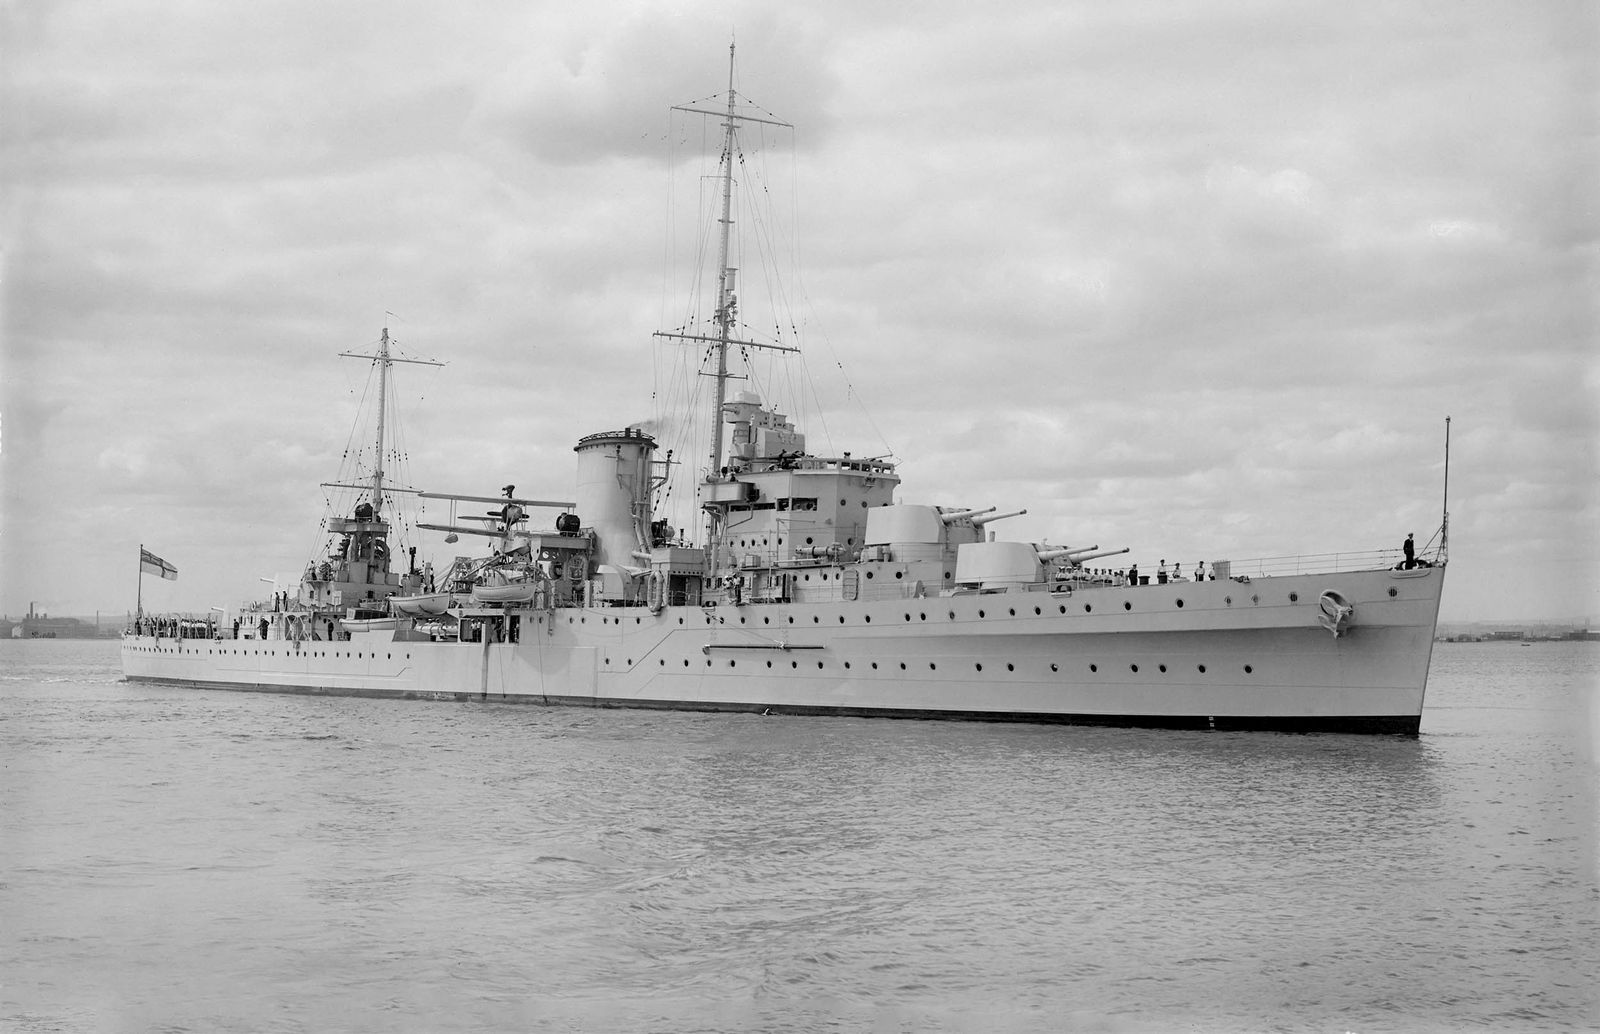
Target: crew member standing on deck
[(1410, 551)]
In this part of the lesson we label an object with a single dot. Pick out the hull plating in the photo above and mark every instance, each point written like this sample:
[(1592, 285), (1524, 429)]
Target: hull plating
[(1222, 655)]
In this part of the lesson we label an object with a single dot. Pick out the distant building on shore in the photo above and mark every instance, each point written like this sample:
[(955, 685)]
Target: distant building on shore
[(38, 625)]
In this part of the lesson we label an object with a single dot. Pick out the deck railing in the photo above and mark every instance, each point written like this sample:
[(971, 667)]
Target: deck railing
[(1314, 563)]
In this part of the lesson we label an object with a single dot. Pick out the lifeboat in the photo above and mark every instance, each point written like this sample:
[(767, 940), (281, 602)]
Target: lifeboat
[(509, 592), (427, 605), (506, 586), (353, 625)]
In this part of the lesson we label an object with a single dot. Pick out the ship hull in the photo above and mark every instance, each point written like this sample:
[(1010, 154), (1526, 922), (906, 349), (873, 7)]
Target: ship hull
[(1212, 655)]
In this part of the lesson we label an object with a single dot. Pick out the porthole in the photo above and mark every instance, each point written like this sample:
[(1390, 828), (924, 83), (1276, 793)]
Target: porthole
[(1126, 605), (1088, 608), (902, 665), (1133, 667), (819, 665), (874, 665), (1011, 667), (1163, 669), (869, 576), (1294, 597), (1202, 669), (922, 617), (766, 621), (952, 615), (663, 662), (841, 619), (794, 664), (1255, 598), (1227, 601), (1180, 604), (1393, 591), (791, 619), (899, 574), (769, 664), (686, 662), (980, 613), (1012, 611), (978, 666), (846, 665), (932, 666), (1248, 669), (816, 619), (908, 617), (732, 664), (1054, 668), (1063, 608), (868, 618)]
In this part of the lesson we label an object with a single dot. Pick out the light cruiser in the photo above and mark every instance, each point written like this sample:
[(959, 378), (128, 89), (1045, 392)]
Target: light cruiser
[(815, 591)]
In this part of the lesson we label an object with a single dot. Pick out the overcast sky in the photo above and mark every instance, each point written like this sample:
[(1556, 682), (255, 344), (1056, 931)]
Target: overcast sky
[(1202, 280)]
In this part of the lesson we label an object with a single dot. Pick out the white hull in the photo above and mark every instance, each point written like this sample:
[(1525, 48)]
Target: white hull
[(1229, 655)]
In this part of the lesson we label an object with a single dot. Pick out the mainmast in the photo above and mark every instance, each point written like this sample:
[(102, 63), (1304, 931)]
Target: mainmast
[(383, 402), (724, 314), (727, 305)]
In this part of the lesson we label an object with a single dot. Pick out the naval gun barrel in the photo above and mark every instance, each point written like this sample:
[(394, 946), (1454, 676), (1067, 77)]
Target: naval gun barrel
[(987, 517), (961, 515), (1057, 552), (1079, 556)]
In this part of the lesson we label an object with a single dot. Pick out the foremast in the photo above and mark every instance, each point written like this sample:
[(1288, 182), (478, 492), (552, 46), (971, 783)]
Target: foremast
[(383, 360), (358, 572)]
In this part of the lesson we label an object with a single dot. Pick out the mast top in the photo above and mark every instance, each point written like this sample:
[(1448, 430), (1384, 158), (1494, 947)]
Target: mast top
[(383, 360)]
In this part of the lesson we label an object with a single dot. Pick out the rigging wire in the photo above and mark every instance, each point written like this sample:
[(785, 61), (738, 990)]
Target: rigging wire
[(764, 248)]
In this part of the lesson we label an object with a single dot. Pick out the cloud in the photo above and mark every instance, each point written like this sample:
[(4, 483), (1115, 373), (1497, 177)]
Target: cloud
[(1200, 282)]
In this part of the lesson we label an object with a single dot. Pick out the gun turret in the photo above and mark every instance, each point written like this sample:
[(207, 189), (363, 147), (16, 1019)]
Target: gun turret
[(961, 515), (981, 521)]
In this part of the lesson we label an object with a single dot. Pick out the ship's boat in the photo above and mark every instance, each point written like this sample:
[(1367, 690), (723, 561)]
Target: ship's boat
[(430, 604), (813, 588), (354, 625), (507, 592)]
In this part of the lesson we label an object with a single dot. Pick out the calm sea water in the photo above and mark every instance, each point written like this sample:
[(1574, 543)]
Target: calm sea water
[(180, 860)]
